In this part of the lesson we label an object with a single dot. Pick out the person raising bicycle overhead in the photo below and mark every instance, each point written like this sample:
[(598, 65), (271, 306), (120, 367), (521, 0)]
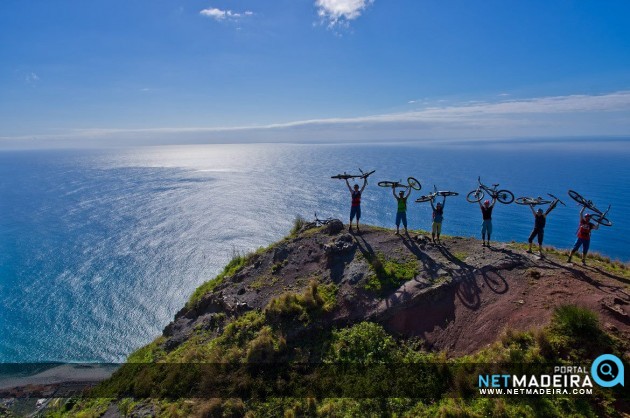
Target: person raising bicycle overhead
[(583, 235), (401, 213), (540, 220), (355, 208), (438, 216), (486, 213)]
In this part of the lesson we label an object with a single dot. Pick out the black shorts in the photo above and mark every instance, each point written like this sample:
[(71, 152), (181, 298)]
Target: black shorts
[(537, 231)]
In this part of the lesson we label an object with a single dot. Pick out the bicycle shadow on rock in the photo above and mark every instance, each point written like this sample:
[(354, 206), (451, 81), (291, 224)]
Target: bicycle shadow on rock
[(429, 265), (512, 259), (582, 276), (608, 274), (465, 280)]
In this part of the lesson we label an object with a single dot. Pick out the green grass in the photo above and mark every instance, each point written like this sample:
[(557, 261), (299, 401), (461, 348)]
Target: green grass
[(149, 353), (263, 281), (593, 259), (365, 342), (388, 274), (275, 269), (460, 255), (573, 337), (301, 307), (237, 262), (232, 267), (298, 224)]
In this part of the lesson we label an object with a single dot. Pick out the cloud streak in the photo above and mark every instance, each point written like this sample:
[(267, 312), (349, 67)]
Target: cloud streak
[(222, 15), (573, 115)]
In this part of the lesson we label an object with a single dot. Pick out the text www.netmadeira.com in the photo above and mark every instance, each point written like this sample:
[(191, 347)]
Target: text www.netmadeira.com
[(535, 391)]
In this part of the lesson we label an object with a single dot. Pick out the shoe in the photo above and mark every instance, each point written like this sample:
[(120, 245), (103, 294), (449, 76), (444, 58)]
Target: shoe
[(350, 229), (529, 251), (569, 260), (583, 262)]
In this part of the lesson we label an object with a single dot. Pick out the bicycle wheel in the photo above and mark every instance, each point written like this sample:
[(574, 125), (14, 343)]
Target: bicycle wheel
[(423, 199), (474, 196), (600, 219), (366, 175), (388, 183), (505, 196), (414, 183), (578, 198), (445, 194)]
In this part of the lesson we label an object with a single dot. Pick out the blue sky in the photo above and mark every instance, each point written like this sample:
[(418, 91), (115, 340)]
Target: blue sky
[(166, 71)]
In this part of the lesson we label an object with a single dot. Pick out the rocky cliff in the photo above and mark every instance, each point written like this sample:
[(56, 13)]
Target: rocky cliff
[(323, 296)]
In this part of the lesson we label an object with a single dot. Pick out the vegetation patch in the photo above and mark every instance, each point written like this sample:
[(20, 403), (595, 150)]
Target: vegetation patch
[(388, 274), (301, 307), (365, 342), (448, 386), (298, 223), (460, 255), (263, 281), (275, 269), (149, 353), (237, 263)]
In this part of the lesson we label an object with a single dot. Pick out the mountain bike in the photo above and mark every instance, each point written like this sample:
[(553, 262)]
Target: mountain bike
[(503, 196), (346, 176), (411, 183), (535, 201), (598, 216), (435, 193), (320, 222)]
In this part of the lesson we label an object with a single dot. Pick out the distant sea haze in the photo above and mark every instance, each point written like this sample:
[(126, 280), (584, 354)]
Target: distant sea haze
[(100, 248)]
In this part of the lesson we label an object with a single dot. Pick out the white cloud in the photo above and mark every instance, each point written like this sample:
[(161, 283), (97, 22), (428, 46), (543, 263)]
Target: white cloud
[(337, 12), (219, 15), (31, 78)]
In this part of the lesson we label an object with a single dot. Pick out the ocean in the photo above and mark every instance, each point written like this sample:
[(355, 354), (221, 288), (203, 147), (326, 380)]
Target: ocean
[(100, 248)]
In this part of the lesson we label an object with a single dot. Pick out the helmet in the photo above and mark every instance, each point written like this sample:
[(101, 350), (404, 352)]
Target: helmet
[(487, 202), (587, 216), (540, 210)]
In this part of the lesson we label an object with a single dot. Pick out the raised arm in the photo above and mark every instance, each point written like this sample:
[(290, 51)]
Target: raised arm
[(408, 192), (582, 213), (532, 209), (494, 200), (394, 192), (348, 184), (433, 207), (364, 184), (443, 201)]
